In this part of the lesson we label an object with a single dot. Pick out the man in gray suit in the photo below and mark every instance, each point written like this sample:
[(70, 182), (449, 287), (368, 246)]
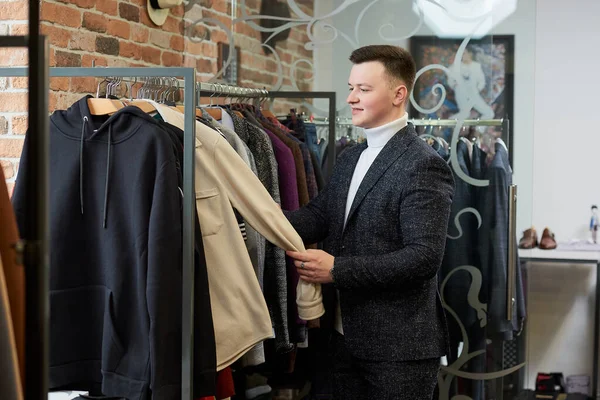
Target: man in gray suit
[(382, 219)]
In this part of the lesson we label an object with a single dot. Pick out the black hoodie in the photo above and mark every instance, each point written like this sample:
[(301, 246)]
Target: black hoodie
[(115, 253)]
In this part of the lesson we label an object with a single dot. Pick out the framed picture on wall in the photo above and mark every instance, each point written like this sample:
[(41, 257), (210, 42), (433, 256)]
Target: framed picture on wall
[(231, 73), (481, 86)]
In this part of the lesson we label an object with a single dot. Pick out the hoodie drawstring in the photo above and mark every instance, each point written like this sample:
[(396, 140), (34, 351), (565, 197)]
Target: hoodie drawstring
[(108, 159), (85, 120), (107, 177)]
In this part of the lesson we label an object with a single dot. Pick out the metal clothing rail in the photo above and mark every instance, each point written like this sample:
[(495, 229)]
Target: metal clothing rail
[(504, 123), (424, 122), (331, 96), (39, 338)]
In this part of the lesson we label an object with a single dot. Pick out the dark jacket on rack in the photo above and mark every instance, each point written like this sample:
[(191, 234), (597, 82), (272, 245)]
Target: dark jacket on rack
[(115, 240), (461, 249), (388, 254), (493, 240)]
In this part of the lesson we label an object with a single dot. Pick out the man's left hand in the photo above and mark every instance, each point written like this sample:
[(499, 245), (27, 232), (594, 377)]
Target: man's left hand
[(314, 266)]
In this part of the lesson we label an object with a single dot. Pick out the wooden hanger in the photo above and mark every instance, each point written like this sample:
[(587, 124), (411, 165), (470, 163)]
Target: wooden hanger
[(181, 109), (216, 113), (143, 105), (103, 106), (267, 113)]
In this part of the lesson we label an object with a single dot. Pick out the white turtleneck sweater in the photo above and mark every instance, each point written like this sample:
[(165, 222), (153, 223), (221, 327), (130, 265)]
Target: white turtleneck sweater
[(377, 138)]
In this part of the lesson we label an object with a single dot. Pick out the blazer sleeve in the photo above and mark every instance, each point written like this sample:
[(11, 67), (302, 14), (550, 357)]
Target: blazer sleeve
[(250, 198), (423, 221), (311, 221)]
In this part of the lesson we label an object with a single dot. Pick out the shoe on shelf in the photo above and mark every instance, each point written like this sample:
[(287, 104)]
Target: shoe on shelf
[(529, 239), (548, 242)]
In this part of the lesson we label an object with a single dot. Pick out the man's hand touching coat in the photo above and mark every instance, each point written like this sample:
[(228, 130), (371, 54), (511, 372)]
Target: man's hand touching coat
[(314, 266)]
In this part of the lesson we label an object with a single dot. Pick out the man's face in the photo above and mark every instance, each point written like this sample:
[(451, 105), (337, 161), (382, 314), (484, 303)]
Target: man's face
[(372, 98)]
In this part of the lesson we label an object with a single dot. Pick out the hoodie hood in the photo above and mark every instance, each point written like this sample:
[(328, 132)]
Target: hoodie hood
[(69, 122), (78, 123)]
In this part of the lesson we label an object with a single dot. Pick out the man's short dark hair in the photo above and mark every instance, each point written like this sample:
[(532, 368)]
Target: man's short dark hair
[(594, 207), (398, 62)]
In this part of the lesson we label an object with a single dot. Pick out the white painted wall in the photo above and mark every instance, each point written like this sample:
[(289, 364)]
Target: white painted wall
[(565, 160)]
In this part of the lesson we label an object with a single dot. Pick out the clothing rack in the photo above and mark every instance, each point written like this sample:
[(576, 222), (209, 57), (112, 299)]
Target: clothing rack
[(331, 96), (422, 121), (504, 123), (38, 265), (38, 337)]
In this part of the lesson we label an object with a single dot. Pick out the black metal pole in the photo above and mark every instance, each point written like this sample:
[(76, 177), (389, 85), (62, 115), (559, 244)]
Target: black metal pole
[(36, 249)]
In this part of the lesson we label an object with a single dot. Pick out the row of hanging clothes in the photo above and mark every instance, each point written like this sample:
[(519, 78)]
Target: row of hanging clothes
[(474, 273), (115, 211)]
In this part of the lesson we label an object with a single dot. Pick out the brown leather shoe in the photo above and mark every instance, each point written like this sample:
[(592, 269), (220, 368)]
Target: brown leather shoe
[(529, 239), (548, 242)]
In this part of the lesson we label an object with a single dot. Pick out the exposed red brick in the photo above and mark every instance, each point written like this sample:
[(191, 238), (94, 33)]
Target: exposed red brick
[(10, 57), (56, 35), (3, 125), (19, 125), (119, 28), (139, 33), (84, 85), (60, 14), (108, 7), (177, 43), (20, 83), (129, 12), (14, 10), (19, 29), (81, 3), (94, 22), (130, 50), (13, 102), (170, 59), (66, 59), (151, 55), (11, 148)]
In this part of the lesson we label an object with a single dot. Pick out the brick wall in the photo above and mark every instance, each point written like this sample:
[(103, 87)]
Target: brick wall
[(120, 33)]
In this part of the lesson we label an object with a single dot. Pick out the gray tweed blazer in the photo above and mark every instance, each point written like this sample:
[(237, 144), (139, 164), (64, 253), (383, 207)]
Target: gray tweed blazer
[(388, 255)]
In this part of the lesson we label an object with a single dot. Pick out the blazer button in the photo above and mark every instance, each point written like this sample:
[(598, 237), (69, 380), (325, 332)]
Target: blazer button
[(343, 247)]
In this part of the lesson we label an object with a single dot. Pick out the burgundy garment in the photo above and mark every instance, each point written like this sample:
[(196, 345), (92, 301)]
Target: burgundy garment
[(225, 385), (298, 158), (288, 186)]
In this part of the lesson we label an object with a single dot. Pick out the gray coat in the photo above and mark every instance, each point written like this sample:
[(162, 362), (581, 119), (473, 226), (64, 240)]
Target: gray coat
[(388, 255)]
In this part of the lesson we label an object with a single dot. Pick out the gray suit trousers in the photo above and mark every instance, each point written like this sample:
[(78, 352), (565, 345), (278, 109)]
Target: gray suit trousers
[(357, 379)]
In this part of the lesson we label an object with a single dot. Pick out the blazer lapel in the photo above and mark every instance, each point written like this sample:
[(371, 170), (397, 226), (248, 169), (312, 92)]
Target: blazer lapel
[(344, 187), (390, 153)]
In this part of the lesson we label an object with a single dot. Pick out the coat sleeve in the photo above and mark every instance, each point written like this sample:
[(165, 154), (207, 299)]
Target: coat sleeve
[(423, 220), (311, 221), (163, 284), (250, 198)]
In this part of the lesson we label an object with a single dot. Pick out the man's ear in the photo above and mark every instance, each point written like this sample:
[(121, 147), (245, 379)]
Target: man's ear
[(400, 95)]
